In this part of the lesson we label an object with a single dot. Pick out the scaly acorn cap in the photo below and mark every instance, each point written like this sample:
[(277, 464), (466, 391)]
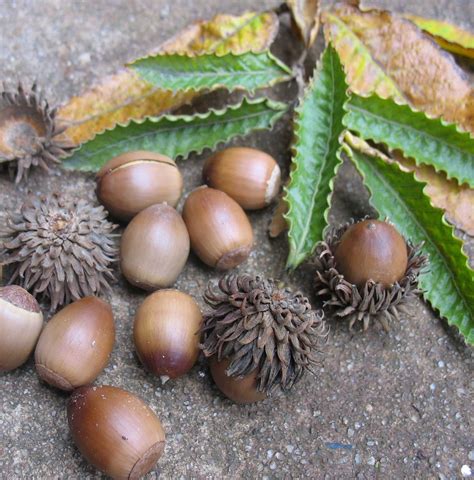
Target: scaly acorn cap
[(372, 301), (59, 249), (257, 325), (28, 131)]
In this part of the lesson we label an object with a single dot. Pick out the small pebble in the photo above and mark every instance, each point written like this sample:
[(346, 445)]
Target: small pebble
[(466, 471), (290, 448), (471, 455), (357, 458), (279, 456), (370, 443), (441, 364), (269, 454), (371, 461), (369, 408), (273, 466), (350, 432)]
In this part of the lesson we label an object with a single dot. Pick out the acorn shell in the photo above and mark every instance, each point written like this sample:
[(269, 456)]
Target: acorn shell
[(133, 181), (115, 431), (75, 344), (154, 248), (166, 332), (21, 322), (249, 176), (220, 232)]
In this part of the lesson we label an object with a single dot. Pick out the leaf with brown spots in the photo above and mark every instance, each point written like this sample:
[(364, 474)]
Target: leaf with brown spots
[(389, 55), (124, 96)]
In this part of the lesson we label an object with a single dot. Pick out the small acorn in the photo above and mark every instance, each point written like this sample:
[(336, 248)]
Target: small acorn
[(166, 333), (154, 248), (115, 431), (220, 232), (21, 322), (133, 181), (366, 270), (249, 176), (75, 344), (259, 337)]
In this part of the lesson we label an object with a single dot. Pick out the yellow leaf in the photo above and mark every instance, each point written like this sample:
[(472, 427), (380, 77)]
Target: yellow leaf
[(389, 55), (448, 36), (305, 14), (124, 96)]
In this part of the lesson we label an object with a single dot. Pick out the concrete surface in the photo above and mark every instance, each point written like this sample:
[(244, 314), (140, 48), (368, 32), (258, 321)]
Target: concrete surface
[(396, 406)]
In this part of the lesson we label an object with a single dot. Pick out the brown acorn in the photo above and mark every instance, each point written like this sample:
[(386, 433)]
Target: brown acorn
[(21, 322), (249, 176), (133, 181), (220, 232), (260, 336), (76, 343), (367, 271), (154, 247), (166, 333), (115, 431)]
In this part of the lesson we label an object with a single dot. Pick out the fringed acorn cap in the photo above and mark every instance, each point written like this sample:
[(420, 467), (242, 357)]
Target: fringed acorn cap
[(365, 300), (60, 249), (28, 131), (257, 326)]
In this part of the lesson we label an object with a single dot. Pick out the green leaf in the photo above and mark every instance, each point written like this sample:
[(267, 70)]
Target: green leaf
[(397, 195), (177, 135), (428, 141), (318, 125), (248, 71)]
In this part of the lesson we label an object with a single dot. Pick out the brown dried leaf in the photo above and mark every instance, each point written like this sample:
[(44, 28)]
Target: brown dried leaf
[(124, 96), (389, 55), (305, 14), (278, 223)]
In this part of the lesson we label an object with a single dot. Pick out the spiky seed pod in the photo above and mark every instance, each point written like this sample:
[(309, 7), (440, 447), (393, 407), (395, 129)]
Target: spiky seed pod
[(60, 249), (258, 326), (368, 302), (29, 132)]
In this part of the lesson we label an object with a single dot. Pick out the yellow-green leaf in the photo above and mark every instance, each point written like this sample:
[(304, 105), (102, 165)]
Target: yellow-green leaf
[(305, 14)]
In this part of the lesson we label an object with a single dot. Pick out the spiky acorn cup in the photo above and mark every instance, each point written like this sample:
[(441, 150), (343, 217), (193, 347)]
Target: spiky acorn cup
[(29, 132), (259, 337), (60, 249), (345, 279)]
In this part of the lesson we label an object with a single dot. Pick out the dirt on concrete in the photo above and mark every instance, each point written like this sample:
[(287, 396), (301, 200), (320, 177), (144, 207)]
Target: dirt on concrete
[(382, 406)]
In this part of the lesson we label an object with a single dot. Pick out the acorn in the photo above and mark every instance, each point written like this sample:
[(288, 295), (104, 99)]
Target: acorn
[(133, 181), (367, 271), (241, 389), (259, 337), (21, 322), (115, 431), (76, 343), (154, 248), (220, 232), (166, 333), (249, 176)]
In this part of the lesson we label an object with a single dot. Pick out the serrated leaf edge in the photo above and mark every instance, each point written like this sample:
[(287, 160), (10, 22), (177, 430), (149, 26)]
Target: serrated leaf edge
[(279, 63), (458, 128), (470, 337), (278, 107)]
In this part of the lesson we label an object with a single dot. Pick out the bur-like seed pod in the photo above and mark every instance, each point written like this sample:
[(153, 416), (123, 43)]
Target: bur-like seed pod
[(60, 249), (260, 327), (29, 134), (367, 300)]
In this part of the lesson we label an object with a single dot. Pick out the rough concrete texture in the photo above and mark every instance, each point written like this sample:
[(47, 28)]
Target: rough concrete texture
[(395, 405)]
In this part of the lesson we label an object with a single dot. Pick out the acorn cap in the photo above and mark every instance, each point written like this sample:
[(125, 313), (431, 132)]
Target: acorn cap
[(59, 249), (29, 132), (260, 327), (368, 302)]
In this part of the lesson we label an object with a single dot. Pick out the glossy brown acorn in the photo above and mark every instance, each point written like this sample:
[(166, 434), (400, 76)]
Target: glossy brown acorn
[(220, 232), (21, 322), (115, 431), (154, 248), (76, 343), (240, 390), (249, 176), (133, 181), (371, 250), (166, 333)]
